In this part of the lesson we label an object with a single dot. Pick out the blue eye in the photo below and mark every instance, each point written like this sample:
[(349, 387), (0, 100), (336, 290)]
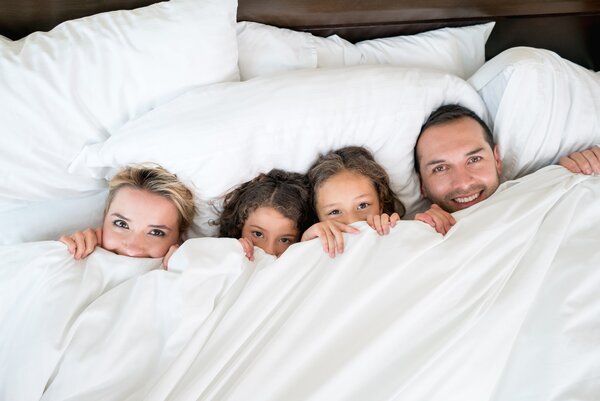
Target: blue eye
[(157, 233), (120, 223)]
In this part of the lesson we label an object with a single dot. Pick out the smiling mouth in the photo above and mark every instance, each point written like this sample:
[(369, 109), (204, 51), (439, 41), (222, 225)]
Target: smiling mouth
[(467, 199)]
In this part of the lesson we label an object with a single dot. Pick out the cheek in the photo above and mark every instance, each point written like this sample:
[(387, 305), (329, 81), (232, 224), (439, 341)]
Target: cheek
[(433, 185), (110, 238), (250, 237), (281, 248)]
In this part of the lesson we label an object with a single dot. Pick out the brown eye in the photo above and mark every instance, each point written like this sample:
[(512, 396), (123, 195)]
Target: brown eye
[(120, 223)]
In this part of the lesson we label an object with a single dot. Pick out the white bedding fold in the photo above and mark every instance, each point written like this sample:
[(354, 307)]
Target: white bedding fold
[(504, 307)]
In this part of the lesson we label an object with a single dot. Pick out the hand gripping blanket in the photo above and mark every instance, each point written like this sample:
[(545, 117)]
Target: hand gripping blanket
[(504, 307)]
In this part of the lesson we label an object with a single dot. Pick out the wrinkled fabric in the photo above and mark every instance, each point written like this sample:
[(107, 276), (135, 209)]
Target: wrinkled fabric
[(504, 307)]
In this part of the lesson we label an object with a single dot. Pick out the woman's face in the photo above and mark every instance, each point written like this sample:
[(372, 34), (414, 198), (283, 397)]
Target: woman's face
[(140, 224), (347, 197), (269, 230)]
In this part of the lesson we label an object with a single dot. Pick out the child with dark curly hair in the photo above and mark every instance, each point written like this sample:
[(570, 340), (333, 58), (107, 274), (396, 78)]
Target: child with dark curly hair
[(270, 212)]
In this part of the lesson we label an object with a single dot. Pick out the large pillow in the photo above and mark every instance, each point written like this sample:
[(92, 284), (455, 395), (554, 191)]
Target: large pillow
[(49, 219), (266, 49), (217, 137), (542, 106), (79, 82), (460, 51)]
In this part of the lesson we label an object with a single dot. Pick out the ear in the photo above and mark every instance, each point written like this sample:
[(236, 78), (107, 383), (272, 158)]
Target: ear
[(422, 187), (498, 159)]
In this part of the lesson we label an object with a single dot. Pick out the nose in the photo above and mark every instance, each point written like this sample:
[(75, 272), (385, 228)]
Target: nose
[(134, 246), (349, 218), (462, 178), (271, 248)]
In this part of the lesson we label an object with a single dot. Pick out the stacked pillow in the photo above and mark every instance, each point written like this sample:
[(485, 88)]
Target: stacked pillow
[(266, 49), (216, 137), (78, 83), (542, 107)]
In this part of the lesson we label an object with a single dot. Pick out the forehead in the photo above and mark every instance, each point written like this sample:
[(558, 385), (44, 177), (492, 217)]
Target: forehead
[(270, 219), (344, 187), (138, 203), (454, 137)]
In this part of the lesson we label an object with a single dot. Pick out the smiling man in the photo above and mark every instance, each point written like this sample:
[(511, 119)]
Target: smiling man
[(459, 165)]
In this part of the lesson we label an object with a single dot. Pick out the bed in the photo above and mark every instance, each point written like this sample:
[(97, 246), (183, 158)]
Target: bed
[(504, 307)]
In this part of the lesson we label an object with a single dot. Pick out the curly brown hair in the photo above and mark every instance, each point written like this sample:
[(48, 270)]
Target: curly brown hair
[(286, 192), (356, 159)]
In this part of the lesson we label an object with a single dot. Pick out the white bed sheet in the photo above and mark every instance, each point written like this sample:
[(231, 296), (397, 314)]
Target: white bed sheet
[(504, 307)]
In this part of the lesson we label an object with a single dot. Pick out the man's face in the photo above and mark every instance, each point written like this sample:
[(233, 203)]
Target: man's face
[(458, 166)]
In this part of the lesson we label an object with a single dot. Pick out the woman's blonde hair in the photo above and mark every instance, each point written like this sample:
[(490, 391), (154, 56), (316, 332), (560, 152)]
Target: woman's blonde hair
[(156, 180)]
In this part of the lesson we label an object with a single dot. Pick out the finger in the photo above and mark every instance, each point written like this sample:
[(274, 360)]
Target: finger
[(425, 218), (370, 222), (99, 235), (90, 241), (378, 225), (321, 233), (346, 228), (394, 218), (447, 217), (248, 248), (582, 163), (68, 241), (442, 224), (592, 160), (385, 224), (596, 151), (339, 239), (79, 239), (167, 257), (331, 243), (569, 164)]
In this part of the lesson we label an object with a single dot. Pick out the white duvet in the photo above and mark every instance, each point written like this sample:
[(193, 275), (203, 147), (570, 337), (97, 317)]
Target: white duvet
[(506, 306)]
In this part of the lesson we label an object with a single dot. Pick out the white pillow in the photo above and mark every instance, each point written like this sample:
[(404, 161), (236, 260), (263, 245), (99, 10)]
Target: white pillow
[(542, 106), (79, 82), (266, 49), (48, 220), (460, 51), (216, 137)]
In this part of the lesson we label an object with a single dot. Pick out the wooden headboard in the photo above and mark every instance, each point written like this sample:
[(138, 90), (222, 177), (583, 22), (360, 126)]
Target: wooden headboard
[(568, 27)]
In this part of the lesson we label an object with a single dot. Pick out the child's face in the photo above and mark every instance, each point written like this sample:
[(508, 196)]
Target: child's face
[(269, 230), (140, 224), (347, 197)]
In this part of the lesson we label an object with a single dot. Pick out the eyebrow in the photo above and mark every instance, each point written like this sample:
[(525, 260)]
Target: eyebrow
[(262, 229), (471, 153), (120, 216), (337, 203), (161, 226)]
